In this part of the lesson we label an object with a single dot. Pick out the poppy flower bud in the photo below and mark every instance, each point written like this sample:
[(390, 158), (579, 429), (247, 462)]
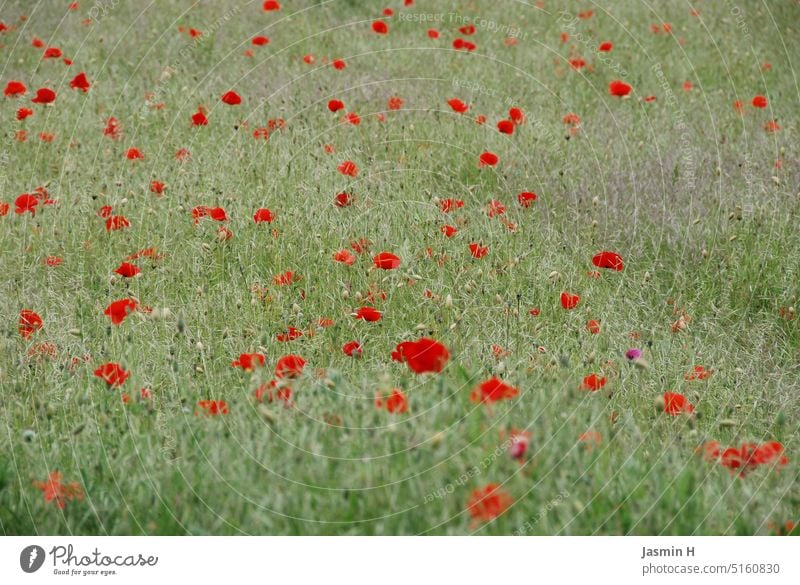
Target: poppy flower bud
[(437, 439), (448, 301), (421, 327), (554, 276), (345, 294), (595, 200)]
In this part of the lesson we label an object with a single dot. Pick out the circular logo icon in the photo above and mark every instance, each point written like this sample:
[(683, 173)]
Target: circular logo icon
[(31, 558)]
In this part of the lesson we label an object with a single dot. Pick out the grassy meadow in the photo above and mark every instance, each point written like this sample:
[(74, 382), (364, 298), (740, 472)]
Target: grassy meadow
[(698, 195)]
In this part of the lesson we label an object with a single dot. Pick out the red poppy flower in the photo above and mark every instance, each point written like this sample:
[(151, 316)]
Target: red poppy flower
[(352, 118), (14, 89), (396, 403), (619, 88), (213, 407), (286, 278), (368, 314), (4, 208), (488, 502), (348, 168), (157, 187), (676, 404), (593, 326), (263, 215), (458, 106), (395, 103), (760, 102), (493, 390), (271, 5), (119, 310), (215, 213), (605, 47), (117, 222), (44, 96), (608, 260), (128, 270), (335, 105), (433, 33), (422, 356), (260, 41), (29, 323), (134, 153), (23, 113), (231, 98), (449, 230), (505, 126), (345, 257), (352, 349), (478, 251), (593, 382), (289, 366), (290, 334), (55, 491), (487, 159), (338, 64), (526, 198), (569, 300), (112, 374), (343, 200), (495, 208), (448, 205), (52, 53), (386, 261), (199, 118), (380, 27), (249, 361), (53, 261), (26, 203), (80, 82), (112, 128)]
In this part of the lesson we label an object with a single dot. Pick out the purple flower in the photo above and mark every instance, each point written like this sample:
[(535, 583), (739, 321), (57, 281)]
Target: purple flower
[(633, 353)]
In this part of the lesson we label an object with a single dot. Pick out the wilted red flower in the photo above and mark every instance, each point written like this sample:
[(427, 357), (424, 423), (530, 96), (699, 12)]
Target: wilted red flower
[(80, 82), (213, 407), (386, 261), (29, 323), (493, 390), (676, 404), (569, 300), (112, 374), (60, 493), (128, 270), (119, 310), (619, 88), (697, 373), (289, 366), (478, 251), (422, 356), (395, 403), (609, 260), (231, 98), (488, 502), (249, 361)]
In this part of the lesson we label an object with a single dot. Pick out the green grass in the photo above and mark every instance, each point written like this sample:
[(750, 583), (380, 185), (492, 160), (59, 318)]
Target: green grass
[(684, 188)]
